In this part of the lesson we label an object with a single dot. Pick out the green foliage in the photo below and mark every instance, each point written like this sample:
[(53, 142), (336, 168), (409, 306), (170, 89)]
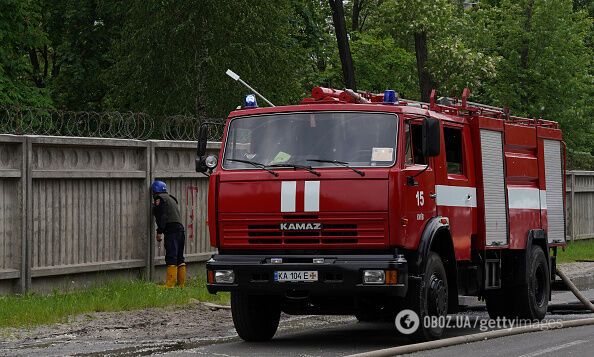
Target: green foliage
[(33, 309), (580, 161), (173, 55), (545, 63), (81, 35), (380, 65), (18, 32)]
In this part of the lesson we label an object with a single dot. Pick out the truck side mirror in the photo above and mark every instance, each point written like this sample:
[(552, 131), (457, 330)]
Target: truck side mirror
[(431, 137), (201, 149)]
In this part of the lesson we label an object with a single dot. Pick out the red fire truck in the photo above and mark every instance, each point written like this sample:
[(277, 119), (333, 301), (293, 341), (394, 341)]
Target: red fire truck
[(363, 204)]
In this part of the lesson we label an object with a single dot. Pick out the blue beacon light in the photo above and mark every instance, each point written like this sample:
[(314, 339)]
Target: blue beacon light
[(250, 101), (390, 97)]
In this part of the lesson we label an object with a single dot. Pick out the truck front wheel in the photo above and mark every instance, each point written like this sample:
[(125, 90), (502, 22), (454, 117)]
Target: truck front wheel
[(429, 299), (255, 317)]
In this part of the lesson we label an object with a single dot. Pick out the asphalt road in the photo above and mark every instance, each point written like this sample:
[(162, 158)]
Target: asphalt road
[(567, 342), (349, 337), (356, 337)]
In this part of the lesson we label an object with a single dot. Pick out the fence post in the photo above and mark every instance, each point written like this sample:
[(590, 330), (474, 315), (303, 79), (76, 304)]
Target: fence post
[(150, 227), (573, 207), (22, 288), (28, 215)]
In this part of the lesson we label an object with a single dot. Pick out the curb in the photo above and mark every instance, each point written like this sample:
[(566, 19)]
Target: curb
[(216, 306), (459, 340), (583, 282)]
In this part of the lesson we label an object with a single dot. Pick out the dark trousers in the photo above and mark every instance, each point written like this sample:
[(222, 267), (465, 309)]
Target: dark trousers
[(174, 247)]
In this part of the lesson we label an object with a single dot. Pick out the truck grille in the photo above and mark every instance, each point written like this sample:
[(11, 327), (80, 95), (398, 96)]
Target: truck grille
[(346, 233), (265, 232)]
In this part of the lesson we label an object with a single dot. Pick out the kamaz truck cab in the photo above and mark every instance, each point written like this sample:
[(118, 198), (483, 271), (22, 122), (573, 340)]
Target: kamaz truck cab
[(363, 204)]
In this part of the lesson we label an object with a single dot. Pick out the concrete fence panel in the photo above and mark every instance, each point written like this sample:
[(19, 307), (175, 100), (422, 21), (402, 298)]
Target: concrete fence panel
[(88, 197), (580, 205), (12, 193)]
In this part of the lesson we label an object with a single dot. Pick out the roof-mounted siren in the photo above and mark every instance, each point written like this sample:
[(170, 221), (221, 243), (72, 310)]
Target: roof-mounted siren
[(390, 97), (250, 101)]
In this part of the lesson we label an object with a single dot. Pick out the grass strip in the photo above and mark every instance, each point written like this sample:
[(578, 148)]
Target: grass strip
[(576, 250), (35, 309)]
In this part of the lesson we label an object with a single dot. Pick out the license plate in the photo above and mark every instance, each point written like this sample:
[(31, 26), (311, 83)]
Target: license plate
[(284, 276)]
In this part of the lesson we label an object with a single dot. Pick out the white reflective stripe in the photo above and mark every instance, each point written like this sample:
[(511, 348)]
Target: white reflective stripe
[(526, 198), (312, 196), (543, 199), (523, 198), (455, 196), (288, 196)]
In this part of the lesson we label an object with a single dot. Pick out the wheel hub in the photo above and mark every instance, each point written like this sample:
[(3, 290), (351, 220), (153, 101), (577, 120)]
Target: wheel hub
[(539, 285), (437, 295)]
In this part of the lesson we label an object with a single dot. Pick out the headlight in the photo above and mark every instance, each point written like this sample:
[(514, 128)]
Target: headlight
[(224, 277), (374, 277), (211, 161)]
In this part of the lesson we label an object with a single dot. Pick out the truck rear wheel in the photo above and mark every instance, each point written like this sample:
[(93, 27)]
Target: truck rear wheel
[(429, 299), (533, 297), (255, 317), (499, 303)]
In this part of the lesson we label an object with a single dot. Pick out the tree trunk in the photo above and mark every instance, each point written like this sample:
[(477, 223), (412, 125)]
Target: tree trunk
[(525, 52), (36, 70), (357, 7), (425, 82), (344, 49), (528, 29)]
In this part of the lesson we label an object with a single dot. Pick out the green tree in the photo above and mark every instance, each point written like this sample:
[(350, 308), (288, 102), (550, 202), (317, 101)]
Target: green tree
[(19, 32), (80, 34), (172, 56), (380, 65), (434, 32), (545, 67)]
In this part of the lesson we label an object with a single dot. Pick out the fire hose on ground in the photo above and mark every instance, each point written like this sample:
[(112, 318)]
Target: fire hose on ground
[(575, 291), (447, 342)]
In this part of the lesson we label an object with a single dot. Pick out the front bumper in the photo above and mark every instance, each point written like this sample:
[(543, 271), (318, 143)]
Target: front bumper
[(337, 275)]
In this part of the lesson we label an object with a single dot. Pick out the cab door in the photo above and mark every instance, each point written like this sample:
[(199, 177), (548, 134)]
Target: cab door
[(419, 184), (456, 186)]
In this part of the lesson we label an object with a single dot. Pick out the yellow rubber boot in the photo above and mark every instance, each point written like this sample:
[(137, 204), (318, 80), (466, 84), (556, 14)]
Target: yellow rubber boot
[(171, 276), (181, 275)]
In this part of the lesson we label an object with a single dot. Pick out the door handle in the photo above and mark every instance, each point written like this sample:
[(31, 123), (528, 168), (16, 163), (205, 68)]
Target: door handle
[(433, 195), (468, 197)]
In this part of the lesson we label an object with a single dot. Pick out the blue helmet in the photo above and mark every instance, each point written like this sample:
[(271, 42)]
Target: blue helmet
[(159, 187)]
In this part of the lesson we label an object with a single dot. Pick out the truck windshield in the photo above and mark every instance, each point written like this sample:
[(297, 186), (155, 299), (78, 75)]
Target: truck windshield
[(359, 139)]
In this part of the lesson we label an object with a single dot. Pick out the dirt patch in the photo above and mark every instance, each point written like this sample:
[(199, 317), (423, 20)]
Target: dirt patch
[(141, 332), (574, 270), (173, 323)]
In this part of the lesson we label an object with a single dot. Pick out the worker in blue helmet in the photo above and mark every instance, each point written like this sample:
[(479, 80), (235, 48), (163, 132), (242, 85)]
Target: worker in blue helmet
[(169, 226)]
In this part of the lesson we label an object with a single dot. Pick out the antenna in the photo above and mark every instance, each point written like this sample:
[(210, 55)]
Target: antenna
[(235, 77)]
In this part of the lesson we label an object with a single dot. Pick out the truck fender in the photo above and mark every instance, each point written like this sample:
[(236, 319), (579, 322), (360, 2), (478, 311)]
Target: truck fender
[(437, 237)]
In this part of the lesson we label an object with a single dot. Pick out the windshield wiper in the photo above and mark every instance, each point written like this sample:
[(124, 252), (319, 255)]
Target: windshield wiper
[(339, 163), (308, 168), (255, 164)]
